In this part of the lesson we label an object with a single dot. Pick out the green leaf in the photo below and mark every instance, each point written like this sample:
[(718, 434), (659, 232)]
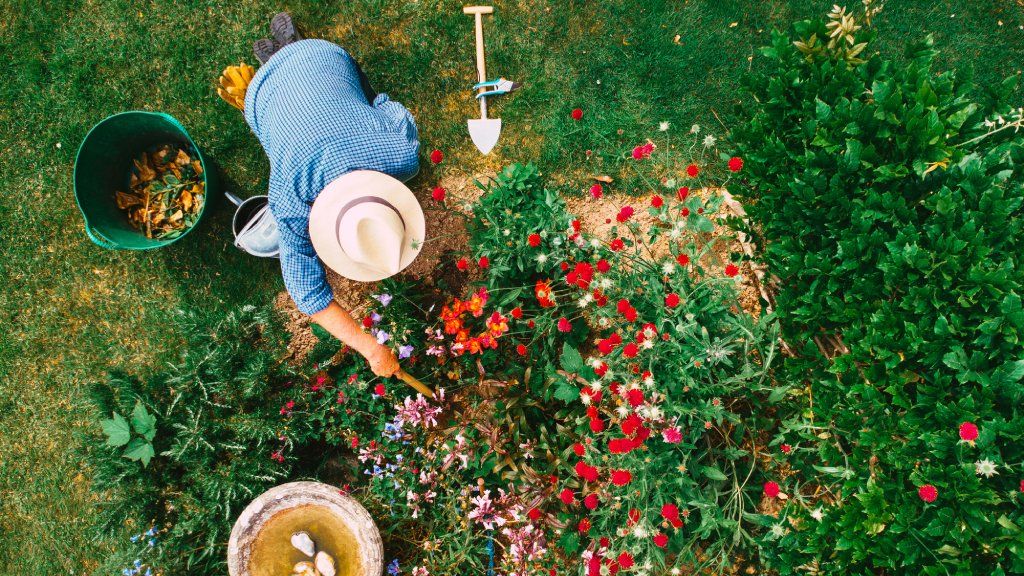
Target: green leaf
[(571, 360), (714, 473), (117, 430), (139, 450), (143, 422), (566, 392)]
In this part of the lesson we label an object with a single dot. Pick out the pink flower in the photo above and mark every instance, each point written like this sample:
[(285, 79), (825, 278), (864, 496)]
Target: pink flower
[(771, 489), (928, 493), (672, 435), (968, 432), (596, 191)]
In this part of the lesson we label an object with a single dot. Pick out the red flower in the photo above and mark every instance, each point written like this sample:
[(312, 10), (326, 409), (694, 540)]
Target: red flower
[(771, 489), (1022, 485), (542, 290), (438, 194), (683, 192), (617, 244), (635, 397), (672, 300), (601, 369), (683, 259), (657, 201), (596, 425), (564, 325), (731, 270), (517, 313), (379, 390), (567, 496), (626, 560), (533, 240), (577, 114), (670, 512), (685, 212), (621, 477), (603, 266), (596, 191), (660, 540), (786, 448), (631, 423), (928, 493), (735, 164), (604, 542), (584, 526), (622, 305), (436, 157), (484, 262), (621, 445), (624, 214), (968, 432), (534, 514), (462, 264), (590, 501), (586, 471), (521, 349), (630, 350), (367, 322), (579, 449), (643, 151), (692, 170)]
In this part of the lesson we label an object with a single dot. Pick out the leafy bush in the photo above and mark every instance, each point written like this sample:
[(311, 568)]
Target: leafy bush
[(887, 202)]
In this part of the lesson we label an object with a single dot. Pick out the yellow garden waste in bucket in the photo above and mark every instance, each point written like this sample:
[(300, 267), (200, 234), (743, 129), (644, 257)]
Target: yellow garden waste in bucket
[(103, 166)]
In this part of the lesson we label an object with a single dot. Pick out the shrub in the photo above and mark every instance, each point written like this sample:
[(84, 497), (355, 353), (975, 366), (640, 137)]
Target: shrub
[(887, 202)]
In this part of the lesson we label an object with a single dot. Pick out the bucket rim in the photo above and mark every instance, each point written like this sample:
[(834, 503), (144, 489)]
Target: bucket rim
[(95, 236)]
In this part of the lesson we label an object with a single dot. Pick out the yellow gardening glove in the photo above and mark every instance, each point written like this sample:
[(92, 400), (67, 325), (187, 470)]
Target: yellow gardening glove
[(233, 84)]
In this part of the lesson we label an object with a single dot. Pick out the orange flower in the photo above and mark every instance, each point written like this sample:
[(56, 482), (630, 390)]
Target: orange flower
[(542, 291), (474, 346), (452, 326), (497, 324)]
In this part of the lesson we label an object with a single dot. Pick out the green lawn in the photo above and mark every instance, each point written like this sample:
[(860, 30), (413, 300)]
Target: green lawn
[(71, 310)]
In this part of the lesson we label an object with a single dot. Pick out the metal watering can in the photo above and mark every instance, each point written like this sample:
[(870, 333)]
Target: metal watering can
[(254, 226)]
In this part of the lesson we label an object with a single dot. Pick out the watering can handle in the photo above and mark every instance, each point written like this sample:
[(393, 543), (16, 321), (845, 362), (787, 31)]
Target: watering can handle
[(415, 383), (99, 239)]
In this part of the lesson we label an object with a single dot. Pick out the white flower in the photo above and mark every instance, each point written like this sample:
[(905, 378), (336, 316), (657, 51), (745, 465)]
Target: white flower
[(605, 283), (818, 514), (986, 468), (622, 411), (675, 572), (709, 141), (585, 399), (595, 243), (506, 232), (663, 127), (586, 299), (675, 233), (602, 322), (649, 381), (596, 385), (648, 344), (778, 530), (556, 241), (639, 531), (695, 129), (542, 258)]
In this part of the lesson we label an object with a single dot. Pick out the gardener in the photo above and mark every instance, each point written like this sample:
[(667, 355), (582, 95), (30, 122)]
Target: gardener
[(339, 153)]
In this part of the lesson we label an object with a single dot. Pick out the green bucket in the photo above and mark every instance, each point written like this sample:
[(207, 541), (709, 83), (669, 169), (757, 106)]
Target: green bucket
[(103, 166)]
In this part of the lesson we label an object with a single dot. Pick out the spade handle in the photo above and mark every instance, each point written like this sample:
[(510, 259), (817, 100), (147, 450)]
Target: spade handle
[(481, 67), (415, 383)]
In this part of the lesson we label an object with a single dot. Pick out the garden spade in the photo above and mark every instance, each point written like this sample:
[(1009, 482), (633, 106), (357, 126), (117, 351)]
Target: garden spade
[(484, 131)]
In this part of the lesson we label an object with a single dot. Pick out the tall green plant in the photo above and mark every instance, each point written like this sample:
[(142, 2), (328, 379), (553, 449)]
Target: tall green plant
[(887, 200)]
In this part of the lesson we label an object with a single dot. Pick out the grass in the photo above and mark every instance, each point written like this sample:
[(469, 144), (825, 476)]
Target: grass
[(72, 310)]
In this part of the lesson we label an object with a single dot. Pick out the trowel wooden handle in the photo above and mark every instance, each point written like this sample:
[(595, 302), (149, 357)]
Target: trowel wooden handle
[(415, 383)]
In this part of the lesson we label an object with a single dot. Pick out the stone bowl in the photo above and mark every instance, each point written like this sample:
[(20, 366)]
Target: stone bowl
[(260, 542)]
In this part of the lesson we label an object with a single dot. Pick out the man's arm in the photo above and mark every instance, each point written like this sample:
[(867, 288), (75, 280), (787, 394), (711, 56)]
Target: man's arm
[(342, 326)]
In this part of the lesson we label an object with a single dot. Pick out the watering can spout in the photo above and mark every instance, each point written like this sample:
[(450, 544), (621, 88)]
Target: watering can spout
[(232, 198)]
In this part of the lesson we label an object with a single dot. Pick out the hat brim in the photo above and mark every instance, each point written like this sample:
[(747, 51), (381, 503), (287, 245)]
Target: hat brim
[(323, 218)]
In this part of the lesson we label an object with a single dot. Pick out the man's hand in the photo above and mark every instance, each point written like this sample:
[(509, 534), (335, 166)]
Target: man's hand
[(340, 323), (382, 361)]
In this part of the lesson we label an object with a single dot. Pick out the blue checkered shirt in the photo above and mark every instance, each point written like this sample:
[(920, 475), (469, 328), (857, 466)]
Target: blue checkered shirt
[(309, 111)]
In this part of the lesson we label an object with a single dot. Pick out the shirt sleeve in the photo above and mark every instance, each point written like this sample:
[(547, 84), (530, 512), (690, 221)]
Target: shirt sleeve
[(304, 275), (399, 118)]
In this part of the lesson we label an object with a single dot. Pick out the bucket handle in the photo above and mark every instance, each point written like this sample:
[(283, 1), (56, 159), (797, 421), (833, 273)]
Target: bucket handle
[(99, 239)]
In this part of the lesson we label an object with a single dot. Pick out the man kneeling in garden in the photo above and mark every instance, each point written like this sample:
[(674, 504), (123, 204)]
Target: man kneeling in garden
[(339, 153)]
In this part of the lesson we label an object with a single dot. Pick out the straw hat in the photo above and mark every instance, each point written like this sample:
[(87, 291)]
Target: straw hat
[(366, 226)]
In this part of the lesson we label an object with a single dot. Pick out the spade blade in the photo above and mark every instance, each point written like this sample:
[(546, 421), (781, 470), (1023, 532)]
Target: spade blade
[(485, 132)]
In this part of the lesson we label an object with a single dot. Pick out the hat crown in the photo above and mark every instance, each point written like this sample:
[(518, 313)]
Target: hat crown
[(372, 233)]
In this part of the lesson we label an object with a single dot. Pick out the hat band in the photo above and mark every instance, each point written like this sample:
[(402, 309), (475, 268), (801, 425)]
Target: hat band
[(352, 203)]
